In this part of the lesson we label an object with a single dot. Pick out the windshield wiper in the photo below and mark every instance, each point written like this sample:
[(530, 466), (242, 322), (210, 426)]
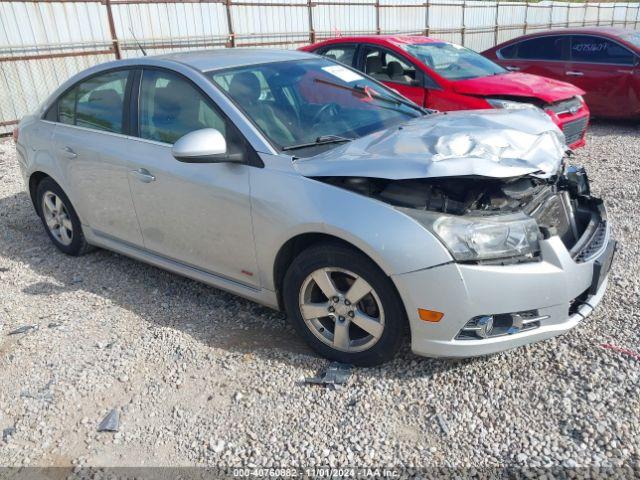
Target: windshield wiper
[(371, 93), (321, 140)]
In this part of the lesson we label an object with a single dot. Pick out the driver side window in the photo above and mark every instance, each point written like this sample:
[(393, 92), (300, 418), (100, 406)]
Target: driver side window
[(170, 107), (385, 66)]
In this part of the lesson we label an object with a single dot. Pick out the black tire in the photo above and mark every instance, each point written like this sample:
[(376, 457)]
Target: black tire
[(338, 256), (78, 245)]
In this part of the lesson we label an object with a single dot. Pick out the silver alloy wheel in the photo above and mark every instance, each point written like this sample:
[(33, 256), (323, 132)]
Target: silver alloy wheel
[(57, 218), (341, 309)]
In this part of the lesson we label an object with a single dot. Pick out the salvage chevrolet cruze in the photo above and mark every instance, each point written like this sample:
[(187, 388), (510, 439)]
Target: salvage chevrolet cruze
[(304, 185)]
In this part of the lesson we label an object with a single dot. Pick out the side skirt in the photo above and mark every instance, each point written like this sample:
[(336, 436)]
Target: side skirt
[(258, 295)]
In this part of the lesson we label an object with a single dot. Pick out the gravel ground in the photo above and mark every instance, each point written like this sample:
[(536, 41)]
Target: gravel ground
[(201, 377)]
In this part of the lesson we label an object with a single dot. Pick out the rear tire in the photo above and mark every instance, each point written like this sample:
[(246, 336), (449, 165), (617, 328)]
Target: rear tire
[(60, 219), (344, 306)]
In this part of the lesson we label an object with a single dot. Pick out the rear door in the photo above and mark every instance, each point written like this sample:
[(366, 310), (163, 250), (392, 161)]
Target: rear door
[(545, 56), (394, 70), (605, 70), (91, 144)]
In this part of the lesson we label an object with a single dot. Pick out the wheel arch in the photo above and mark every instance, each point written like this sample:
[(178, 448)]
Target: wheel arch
[(34, 180), (295, 245)]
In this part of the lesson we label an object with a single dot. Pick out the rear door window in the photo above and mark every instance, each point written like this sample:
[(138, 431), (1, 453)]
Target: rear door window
[(549, 47), (591, 49), (341, 53), (96, 103)]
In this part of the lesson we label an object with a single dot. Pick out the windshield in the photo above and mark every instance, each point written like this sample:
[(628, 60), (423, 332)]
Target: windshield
[(308, 103), (633, 38), (453, 61)]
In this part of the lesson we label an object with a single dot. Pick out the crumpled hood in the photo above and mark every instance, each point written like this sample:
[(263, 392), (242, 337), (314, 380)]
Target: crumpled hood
[(488, 143), (518, 84)]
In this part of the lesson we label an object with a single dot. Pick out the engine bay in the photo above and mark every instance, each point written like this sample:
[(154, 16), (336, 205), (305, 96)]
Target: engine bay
[(561, 204)]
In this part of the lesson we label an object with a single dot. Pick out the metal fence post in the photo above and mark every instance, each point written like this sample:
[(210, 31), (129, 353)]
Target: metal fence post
[(497, 19), (312, 33), (112, 30), (232, 37), (526, 17), (464, 4), (426, 18), (377, 7)]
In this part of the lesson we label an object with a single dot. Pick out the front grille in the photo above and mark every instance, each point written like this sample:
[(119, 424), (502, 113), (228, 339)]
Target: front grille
[(595, 244), (571, 105), (574, 130)]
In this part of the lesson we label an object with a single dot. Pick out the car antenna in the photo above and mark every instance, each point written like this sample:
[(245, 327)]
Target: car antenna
[(144, 53)]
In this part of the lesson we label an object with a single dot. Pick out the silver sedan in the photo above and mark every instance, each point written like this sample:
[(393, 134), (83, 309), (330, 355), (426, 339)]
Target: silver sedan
[(302, 184)]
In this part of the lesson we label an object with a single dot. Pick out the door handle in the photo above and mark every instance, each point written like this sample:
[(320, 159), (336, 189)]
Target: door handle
[(512, 68), (68, 152), (572, 73), (143, 175)]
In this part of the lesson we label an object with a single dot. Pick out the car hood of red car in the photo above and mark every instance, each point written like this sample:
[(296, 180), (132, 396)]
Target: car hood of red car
[(518, 85)]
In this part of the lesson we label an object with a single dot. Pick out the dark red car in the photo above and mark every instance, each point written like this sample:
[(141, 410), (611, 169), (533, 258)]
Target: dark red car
[(445, 76), (602, 61)]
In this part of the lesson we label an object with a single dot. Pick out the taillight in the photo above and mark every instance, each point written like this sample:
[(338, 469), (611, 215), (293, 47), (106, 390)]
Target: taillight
[(16, 131)]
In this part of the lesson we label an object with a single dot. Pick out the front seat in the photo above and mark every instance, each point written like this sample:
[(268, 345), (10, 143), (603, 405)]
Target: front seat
[(396, 73), (373, 68), (245, 89)]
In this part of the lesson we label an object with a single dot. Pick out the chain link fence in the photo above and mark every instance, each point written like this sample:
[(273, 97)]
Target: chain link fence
[(44, 42)]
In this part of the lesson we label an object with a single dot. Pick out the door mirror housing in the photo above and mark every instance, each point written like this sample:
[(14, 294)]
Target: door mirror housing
[(207, 145)]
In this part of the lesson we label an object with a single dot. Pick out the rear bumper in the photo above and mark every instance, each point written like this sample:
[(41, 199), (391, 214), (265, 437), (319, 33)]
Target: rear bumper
[(560, 288)]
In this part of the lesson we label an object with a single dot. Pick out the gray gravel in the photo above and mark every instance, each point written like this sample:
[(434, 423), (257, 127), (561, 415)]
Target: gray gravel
[(201, 377)]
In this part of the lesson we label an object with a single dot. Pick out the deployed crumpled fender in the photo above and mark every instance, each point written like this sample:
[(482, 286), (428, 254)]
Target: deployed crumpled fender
[(488, 143)]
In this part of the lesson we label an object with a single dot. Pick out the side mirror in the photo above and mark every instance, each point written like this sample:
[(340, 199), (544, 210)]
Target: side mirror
[(203, 146)]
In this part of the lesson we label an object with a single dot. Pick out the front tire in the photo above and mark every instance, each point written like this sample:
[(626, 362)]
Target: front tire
[(60, 219), (344, 306)]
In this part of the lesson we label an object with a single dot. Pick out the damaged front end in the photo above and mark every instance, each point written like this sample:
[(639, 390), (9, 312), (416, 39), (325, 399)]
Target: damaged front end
[(490, 185), (488, 220)]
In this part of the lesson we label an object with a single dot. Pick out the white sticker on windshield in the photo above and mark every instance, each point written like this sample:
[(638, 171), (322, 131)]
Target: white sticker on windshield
[(342, 73)]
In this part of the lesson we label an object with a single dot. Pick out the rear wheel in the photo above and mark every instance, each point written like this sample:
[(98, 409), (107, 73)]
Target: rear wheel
[(344, 306), (60, 219)]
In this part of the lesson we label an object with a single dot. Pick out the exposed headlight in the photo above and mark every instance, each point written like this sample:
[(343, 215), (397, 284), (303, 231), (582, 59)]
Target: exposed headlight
[(499, 103), (482, 238)]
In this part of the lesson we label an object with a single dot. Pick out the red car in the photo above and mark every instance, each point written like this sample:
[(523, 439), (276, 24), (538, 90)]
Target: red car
[(603, 61), (444, 76)]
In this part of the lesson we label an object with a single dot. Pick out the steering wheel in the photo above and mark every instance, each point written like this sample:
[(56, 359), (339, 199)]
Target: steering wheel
[(331, 109)]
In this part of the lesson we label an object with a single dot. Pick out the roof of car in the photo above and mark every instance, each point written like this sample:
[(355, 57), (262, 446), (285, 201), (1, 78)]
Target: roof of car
[(611, 31), (396, 39), (220, 58)]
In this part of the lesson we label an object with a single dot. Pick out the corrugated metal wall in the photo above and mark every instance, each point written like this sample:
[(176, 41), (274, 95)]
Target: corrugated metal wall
[(43, 42)]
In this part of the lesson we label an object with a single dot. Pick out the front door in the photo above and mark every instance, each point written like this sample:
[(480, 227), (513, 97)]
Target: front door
[(195, 213), (545, 56)]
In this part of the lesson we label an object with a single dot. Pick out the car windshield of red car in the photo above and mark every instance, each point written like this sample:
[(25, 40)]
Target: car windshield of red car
[(452, 61)]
